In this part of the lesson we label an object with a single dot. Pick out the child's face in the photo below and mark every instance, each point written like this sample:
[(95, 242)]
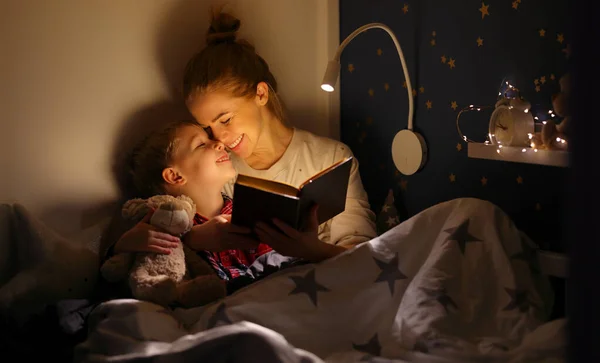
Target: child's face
[(200, 161)]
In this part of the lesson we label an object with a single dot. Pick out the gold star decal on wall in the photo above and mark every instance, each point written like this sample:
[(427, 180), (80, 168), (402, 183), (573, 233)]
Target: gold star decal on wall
[(386, 86), (543, 79), (519, 180), (403, 184), (560, 38), (537, 88), (362, 137), (405, 8), (379, 51), (433, 33), (452, 178), (350, 67), (422, 89), (371, 92), (458, 147), (432, 42), (542, 32), (536, 81), (404, 84), (414, 92), (369, 121), (538, 207), (552, 77), (484, 181), (451, 63), (515, 5), (454, 105), (428, 104), (443, 59), (479, 42), (484, 10)]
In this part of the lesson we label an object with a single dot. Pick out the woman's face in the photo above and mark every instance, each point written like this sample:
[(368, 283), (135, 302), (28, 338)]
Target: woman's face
[(235, 121)]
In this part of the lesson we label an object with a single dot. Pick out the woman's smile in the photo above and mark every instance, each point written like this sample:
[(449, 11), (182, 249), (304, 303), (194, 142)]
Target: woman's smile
[(235, 143)]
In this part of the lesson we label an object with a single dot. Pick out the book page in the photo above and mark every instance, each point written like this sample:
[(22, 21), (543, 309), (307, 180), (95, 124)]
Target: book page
[(268, 185)]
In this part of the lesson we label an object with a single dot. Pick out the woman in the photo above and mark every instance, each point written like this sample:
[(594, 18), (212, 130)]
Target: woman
[(231, 92)]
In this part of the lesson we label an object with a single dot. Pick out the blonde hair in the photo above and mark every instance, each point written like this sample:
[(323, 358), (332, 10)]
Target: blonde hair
[(229, 64), (152, 155)]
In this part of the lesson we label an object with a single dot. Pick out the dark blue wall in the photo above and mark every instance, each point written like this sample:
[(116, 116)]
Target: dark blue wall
[(513, 47)]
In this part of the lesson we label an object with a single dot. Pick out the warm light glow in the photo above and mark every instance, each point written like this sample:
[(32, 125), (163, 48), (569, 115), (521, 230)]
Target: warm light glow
[(532, 144), (549, 111), (536, 118), (499, 146), (535, 150), (498, 151), (530, 136), (563, 141), (523, 150), (327, 87), (526, 110), (544, 122), (558, 139)]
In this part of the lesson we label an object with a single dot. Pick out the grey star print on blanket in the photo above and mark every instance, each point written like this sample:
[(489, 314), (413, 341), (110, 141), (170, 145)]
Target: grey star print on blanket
[(445, 284)]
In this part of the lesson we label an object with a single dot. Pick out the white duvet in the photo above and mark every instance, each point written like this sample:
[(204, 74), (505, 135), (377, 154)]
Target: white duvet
[(458, 282)]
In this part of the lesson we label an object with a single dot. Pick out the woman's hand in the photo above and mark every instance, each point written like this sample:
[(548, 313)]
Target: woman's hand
[(218, 234), (144, 237), (293, 243)]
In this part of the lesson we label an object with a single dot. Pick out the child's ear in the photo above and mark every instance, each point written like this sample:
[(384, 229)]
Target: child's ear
[(172, 177), (262, 93)]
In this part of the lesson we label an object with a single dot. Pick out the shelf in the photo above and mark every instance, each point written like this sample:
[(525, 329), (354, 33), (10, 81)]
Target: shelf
[(515, 154)]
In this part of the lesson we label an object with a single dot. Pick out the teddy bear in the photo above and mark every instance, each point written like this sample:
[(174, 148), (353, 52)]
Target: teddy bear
[(181, 277), (553, 136)]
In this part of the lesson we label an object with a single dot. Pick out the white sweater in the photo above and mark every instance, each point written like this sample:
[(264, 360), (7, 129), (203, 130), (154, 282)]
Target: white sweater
[(306, 155)]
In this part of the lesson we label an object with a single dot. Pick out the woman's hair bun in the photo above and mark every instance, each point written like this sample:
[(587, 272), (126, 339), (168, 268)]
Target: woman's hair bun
[(223, 28)]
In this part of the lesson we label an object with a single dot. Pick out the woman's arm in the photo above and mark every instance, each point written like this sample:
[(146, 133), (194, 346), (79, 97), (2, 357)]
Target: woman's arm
[(357, 223)]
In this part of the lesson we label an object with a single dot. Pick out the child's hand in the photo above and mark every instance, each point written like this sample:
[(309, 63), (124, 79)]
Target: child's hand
[(218, 234), (144, 237), (294, 243)]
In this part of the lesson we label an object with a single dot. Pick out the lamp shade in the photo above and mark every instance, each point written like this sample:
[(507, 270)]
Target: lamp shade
[(331, 76)]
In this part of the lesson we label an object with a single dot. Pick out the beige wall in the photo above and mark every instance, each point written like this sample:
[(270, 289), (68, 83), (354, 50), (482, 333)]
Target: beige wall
[(74, 73)]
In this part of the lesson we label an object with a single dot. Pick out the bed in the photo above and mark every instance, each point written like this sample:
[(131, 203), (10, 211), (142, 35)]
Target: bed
[(457, 282)]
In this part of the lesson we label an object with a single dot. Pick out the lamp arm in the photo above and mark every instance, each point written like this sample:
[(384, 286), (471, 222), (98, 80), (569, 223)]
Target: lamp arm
[(402, 60)]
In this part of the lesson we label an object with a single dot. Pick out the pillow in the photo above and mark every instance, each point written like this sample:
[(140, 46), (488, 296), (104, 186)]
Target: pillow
[(388, 216), (44, 266)]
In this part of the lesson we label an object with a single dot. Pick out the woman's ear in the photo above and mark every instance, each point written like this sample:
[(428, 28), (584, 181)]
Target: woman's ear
[(172, 177), (262, 93)]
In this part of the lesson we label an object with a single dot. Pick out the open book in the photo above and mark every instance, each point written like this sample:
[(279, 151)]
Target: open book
[(257, 199)]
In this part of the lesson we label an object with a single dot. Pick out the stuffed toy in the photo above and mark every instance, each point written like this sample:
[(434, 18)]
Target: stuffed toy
[(552, 135), (181, 277)]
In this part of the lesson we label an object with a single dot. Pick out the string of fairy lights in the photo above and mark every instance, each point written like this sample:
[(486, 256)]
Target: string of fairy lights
[(509, 92)]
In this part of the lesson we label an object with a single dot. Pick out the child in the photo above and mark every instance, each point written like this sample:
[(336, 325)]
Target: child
[(182, 159)]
